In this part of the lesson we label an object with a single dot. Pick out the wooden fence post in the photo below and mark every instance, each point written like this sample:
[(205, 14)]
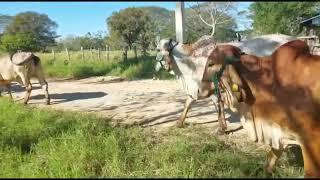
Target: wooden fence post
[(91, 53), (99, 54), (107, 52), (54, 55), (82, 53), (68, 54)]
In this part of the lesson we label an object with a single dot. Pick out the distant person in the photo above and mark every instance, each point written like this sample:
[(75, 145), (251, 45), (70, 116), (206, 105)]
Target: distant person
[(238, 36)]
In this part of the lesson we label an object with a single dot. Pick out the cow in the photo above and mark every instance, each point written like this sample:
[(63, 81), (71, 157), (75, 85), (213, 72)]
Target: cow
[(189, 63), (21, 67), (277, 97)]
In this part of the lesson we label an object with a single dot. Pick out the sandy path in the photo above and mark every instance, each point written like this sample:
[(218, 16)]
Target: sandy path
[(155, 104)]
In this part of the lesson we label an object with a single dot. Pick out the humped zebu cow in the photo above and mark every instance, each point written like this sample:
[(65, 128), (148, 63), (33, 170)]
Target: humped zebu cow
[(21, 67), (277, 96), (189, 63)]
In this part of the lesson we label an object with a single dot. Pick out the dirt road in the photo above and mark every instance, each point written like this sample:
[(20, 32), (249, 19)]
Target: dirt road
[(155, 104)]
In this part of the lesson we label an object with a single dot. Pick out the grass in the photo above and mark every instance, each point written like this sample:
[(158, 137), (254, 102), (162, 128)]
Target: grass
[(57, 144), (140, 68)]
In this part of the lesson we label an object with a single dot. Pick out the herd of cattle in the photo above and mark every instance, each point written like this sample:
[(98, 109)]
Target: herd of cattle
[(270, 81)]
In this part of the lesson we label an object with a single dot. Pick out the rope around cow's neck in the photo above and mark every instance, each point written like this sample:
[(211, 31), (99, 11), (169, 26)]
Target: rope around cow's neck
[(171, 46), (217, 76), (216, 79)]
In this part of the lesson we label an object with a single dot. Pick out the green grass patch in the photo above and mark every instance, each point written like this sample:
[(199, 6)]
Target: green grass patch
[(56, 144), (140, 68)]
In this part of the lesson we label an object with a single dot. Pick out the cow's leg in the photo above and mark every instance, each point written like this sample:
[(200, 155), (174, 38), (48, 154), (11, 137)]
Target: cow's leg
[(28, 93), (273, 157), (44, 86), (8, 86), (26, 82), (221, 119), (311, 161), (42, 81), (187, 106)]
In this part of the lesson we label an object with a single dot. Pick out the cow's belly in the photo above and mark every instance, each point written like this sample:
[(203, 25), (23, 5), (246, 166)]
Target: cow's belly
[(8, 75), (272, 134), (262, 124)]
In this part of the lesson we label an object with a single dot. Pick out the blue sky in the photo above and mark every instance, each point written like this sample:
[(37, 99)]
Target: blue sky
[(78, 18)]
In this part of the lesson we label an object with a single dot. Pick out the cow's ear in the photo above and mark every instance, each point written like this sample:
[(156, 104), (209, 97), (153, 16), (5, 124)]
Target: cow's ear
[(167, 44)]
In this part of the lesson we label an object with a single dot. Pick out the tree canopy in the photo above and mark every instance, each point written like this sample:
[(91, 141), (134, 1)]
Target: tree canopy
[(38, 26), (19, 41), (195, 28), (281, 17), (129, 23), (88, 41), (133, 28)]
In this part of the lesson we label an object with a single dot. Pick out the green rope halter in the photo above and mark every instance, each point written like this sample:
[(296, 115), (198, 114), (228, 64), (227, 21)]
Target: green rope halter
[(216, 77)]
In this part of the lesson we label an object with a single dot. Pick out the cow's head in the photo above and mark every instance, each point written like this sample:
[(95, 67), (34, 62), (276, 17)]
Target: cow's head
[(222, 61), (164, 54)]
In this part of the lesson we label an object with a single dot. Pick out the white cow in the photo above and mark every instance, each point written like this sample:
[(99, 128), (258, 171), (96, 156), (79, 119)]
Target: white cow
[(20, 67)]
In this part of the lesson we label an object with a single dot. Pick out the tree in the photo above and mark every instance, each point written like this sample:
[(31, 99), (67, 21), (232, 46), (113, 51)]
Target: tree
[(130, 24), (195, 27), (163, 21), (98, 39), (115, 41), (19, 41), (214, 14), (40, 26), (90, 40), (280, 17), (146, 35)]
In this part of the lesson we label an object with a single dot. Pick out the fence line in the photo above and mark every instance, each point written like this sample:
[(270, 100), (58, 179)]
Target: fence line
[(94, 54), (82, 53)]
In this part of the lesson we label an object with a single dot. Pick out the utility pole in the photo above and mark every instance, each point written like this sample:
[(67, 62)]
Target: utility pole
[(180, 22)]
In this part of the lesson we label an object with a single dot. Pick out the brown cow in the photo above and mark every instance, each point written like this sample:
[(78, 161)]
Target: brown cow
[(278, 97)]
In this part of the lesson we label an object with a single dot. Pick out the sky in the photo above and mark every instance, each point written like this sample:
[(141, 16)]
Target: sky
[(78, 18)]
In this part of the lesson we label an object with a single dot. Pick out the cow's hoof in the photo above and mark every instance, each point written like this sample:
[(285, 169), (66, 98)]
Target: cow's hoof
[(180, 125), (268, 169), (220, 132)]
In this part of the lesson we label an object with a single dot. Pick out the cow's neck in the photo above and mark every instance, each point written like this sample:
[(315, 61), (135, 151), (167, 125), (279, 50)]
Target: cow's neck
[(179, 54)]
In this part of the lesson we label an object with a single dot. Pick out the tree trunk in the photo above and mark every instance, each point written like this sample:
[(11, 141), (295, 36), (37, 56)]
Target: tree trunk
[(135, 52), (125, 54), (107, 52), (213, 31), (144, 51)]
